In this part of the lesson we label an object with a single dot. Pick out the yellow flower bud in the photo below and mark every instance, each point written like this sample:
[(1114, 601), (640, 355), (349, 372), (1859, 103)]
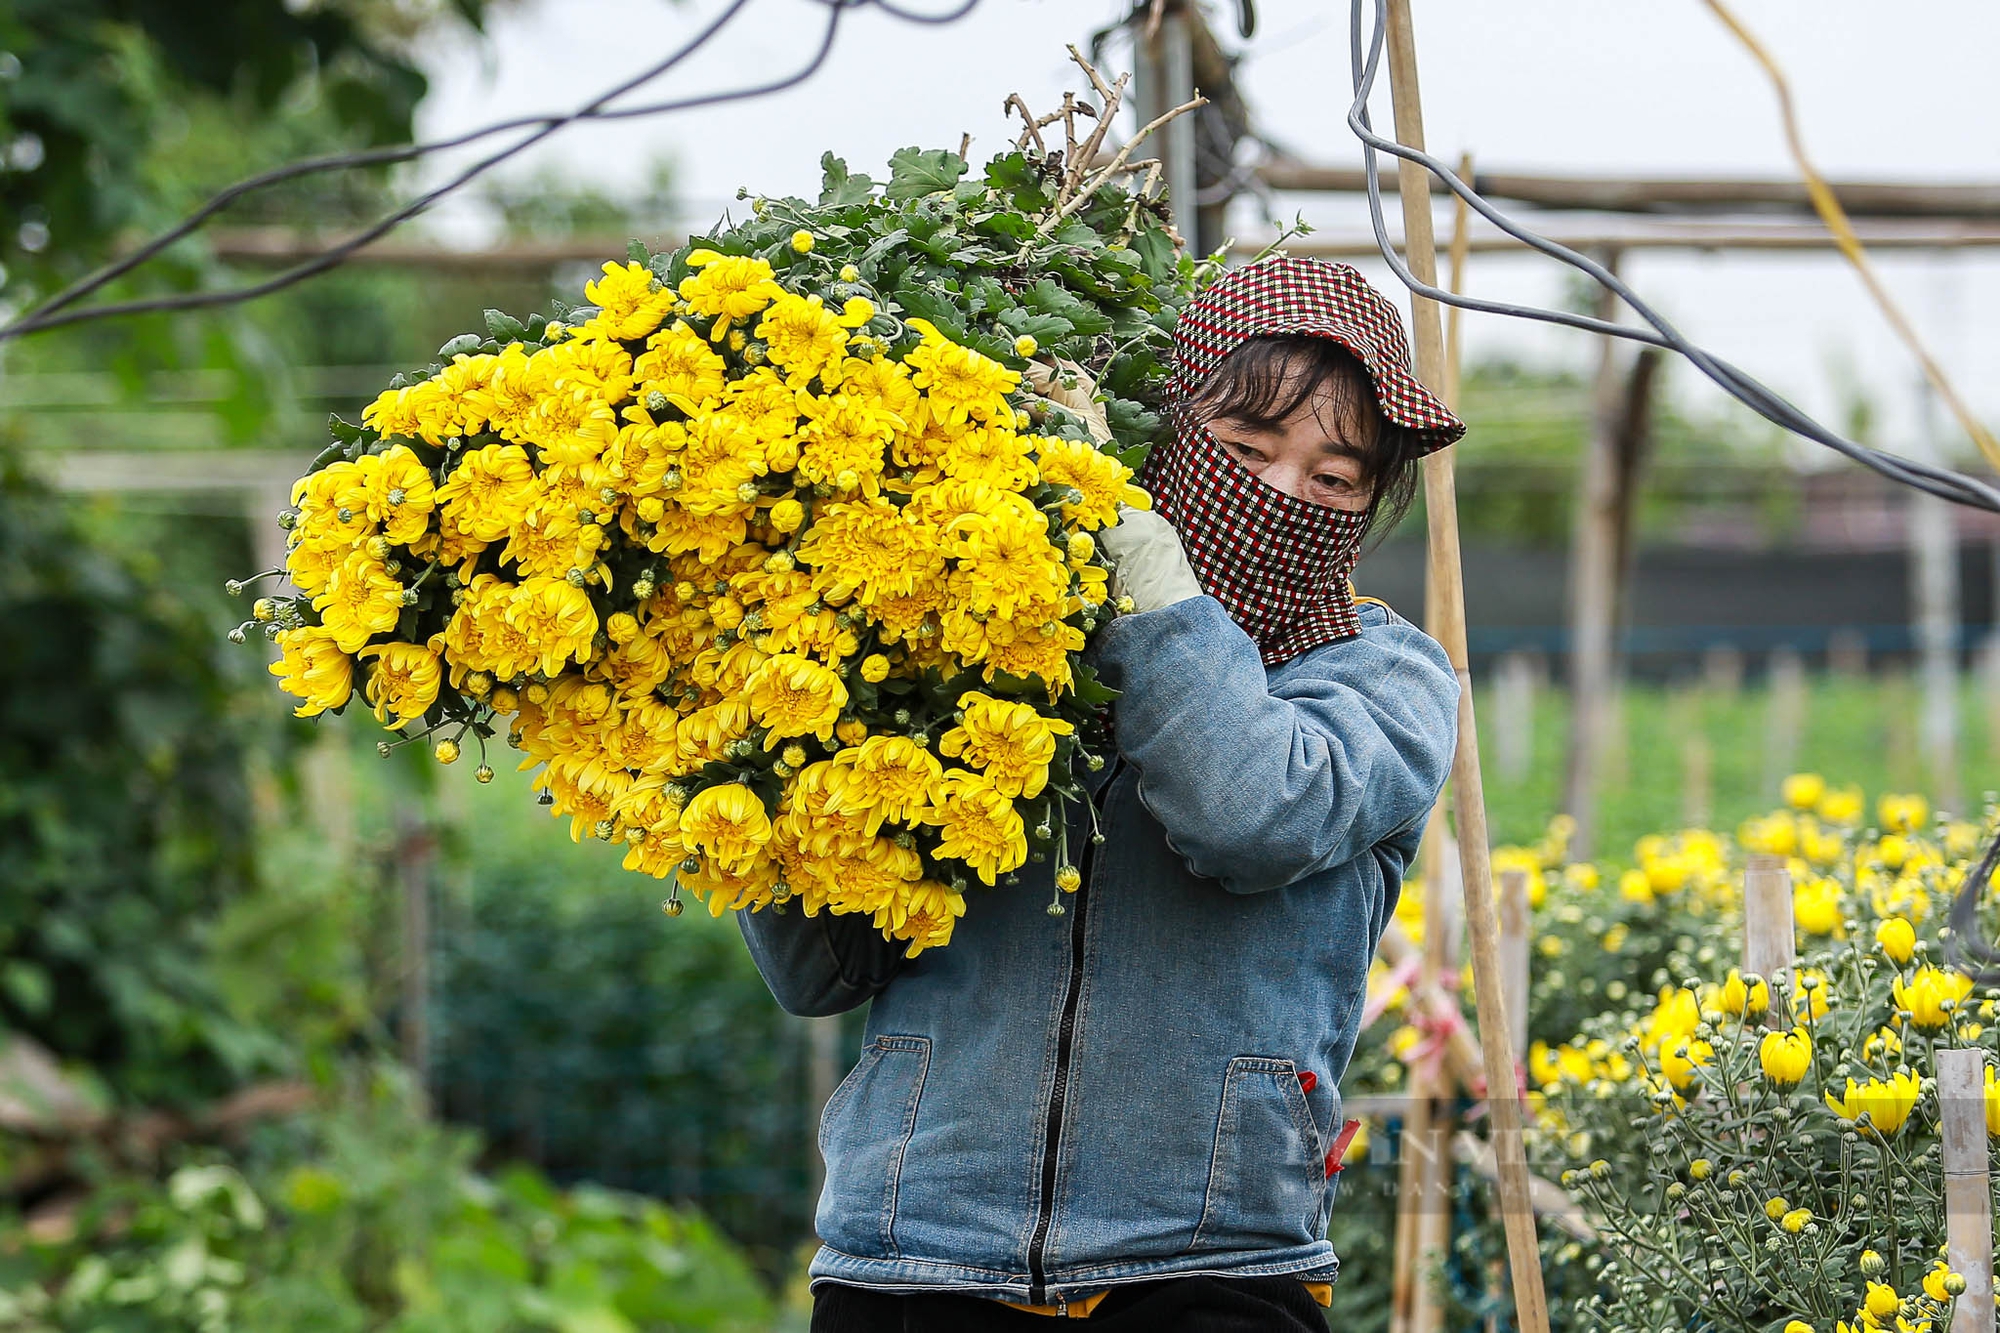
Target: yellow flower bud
[(874, 667), (447, 751), (1069, 879), (787, 515), (1795, 1221), (1785, 1056), (1802, 791), (1882, 1300), (1799, 1326), (1026, 346), (802, 241), (1776, 1207), (849, 273), (851, 732), (1897, 939), (1700, 1168), (620, 627), (795, 755)]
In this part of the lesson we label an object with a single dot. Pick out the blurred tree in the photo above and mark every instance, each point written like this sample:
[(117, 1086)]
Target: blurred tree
[(124, 821), (85, 86)]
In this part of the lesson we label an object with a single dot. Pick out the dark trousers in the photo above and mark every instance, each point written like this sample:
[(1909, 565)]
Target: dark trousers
[(1169, 1305)]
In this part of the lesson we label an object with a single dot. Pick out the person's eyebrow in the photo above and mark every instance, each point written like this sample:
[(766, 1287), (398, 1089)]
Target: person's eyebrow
[(1343, 448)]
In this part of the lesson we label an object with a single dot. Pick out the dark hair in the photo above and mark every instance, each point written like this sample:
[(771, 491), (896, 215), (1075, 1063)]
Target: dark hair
[(1266, 381)]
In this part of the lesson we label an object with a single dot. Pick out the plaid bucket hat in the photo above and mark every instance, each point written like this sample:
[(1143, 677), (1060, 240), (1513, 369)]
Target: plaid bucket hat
[(1278, 564)]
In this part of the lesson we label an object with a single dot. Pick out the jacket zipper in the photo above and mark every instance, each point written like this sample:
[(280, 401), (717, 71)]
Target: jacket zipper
[(1065, 1050)]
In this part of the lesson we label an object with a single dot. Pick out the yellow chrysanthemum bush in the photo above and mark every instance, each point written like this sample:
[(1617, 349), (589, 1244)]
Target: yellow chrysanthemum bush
[(1760, 1150), (765, 559), (1650, 1051)]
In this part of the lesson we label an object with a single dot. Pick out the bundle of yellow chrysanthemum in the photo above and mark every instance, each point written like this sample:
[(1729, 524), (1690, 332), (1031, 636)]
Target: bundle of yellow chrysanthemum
[(779, 589)]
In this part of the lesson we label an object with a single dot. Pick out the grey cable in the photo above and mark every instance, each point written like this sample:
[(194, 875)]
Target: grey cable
[(1942, 482), (47, 316)]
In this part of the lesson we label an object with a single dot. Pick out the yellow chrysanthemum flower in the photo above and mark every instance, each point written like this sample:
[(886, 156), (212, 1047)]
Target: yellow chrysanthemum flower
[(404, 680), (359, 601), (1011, 743), (869, 549), (959, 383), (730, 287), (1103, 482), (843, 440), (489, 491), (791, 695), (884, 778), (555, 617), (978, 824), (679, 364), (802, 337), (630, 301), (1886, 1102), (399, 493), (314, 668), (925, 915), (1816, 905), (1785, 1056), (727, 824), (1931, 995)]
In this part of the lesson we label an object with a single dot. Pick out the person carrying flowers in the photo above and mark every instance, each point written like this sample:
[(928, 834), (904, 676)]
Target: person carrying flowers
[(1131, 1112)]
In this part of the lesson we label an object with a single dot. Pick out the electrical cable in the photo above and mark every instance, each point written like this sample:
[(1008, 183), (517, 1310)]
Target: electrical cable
[(1939, 481), (1963, 948), (48, 316)]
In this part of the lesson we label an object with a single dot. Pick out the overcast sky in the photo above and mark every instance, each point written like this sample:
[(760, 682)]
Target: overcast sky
[(1652, 87)]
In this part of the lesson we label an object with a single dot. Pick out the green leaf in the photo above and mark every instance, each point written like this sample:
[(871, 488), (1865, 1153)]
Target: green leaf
[(503, 327), (1049, 297), (1009, 171), (1009, 224), (1090, 689), (466, 343), (1156, 252), (838, 189), (936, 306), (1044, 329), (913, 172), (637, 253), (344, 431)]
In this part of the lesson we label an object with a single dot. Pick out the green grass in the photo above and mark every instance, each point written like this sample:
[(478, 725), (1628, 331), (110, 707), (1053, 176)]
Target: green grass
[(1856, 730)]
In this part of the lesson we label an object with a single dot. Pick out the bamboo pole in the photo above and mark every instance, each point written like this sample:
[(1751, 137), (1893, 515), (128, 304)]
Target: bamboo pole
[(1514, 958), (1968, 1201), (1423, 1222), (1469, 796)]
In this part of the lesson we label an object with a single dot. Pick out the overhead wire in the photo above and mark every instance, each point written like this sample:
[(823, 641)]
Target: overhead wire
[(53, 313), (1366, 64)]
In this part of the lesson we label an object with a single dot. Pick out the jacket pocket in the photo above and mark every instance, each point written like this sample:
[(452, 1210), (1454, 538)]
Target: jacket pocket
[(863, 1134), (1267, 1176)]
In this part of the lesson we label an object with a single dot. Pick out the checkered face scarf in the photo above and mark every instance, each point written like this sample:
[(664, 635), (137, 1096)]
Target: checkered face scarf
[(1279, 565)]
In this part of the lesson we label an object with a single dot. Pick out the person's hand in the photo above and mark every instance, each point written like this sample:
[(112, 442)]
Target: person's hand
[(1081, 400), (1147, 562)]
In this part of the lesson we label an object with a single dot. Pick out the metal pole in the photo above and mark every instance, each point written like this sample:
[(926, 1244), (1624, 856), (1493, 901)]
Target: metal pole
[(1933, 539)]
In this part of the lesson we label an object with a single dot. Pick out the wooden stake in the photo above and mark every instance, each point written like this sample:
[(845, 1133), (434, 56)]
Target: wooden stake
[(1469, 796), (1784, 717), (1968, 1210), (1767, 923), (1514, 957)]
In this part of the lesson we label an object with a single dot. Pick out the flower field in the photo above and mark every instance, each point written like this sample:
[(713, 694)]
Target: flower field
[(1750, 1151)]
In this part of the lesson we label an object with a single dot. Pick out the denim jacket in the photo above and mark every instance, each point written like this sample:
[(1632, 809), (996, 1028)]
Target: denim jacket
[(1146, 1085)]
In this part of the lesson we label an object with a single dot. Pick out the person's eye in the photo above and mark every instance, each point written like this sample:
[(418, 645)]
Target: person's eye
[(1335, 482), (1243, 451)]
